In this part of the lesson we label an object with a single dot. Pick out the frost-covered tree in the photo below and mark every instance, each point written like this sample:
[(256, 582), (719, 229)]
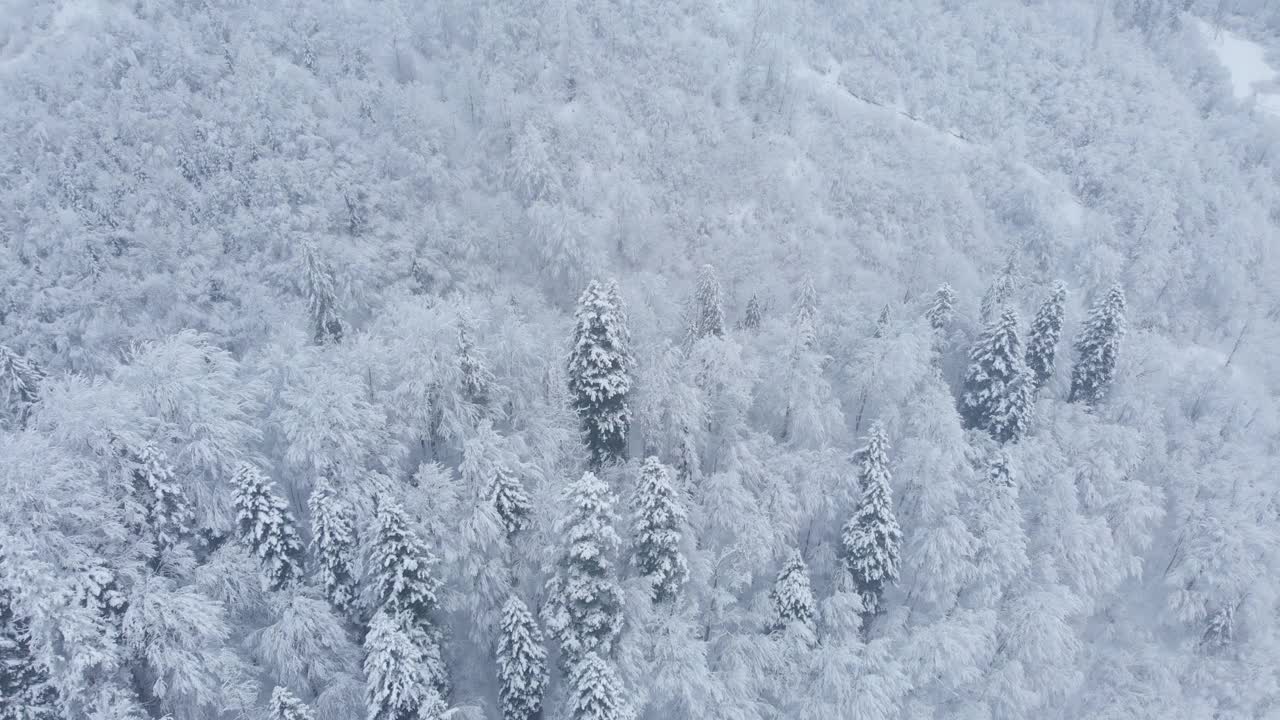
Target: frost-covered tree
[(476, 378), (162, 498), (584, 605), (806, 307), (286, 706), (522, 663), (792, 596), (333, 541), (596, 692), (402, 567), (1046, 330), (754, 314), (600, 371), (510, 500), (1000, 292), (706, 308), (657, 525), (267, 526), (943, 308), (1098, 348), (25, 692), (871, 541), (997, 394), (1001, 555), (321, 292), (19, 382), (402, 669)]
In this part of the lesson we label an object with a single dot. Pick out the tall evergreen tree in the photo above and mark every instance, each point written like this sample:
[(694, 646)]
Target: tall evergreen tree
[(659, 519), (168, 514), (806, 308), (600, 372), (477, 379), (754, 314), (25, 692), (584, 608), (792, 596), (333, 540), (522, 663), (1098, 348), (943, 308), (596, 693), (1046, 330), (19, 383), (706, 310), (322, 297), (871, 542), (402, 669), (1001, 291), (286, 706), (511, 501), (267, 526), (998, 395), (402, 567)]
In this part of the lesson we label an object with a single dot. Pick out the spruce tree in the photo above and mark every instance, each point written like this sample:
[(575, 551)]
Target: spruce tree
[(659, 518), (522, 663), (753, 316), (403, 670), (871, 542), (1098, 348), (402, 564), (322, 297), (19, 383), (168, 514), (584, 608), (806, 308), (477, 380), (998, 395), (511, 501), (267, 526), (706, 311), (333, 540), (1046, 329), (25, 692), (596, 692), (943, 308), (792, 596), (600, 372), (286, 706)]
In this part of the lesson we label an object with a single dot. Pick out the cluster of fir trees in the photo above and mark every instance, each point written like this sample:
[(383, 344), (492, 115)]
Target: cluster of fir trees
[(403, 664)]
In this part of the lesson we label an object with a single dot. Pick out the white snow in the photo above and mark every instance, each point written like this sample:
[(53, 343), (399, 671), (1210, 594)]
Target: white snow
[(1246, 62)]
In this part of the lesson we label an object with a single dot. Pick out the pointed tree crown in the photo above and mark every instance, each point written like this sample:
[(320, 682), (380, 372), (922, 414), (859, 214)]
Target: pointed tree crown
[(659, 520), (599, 367), (267, 526), (1098, 349)]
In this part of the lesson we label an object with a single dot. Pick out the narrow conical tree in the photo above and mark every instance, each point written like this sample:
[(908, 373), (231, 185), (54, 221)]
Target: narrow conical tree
[(584, 608), (333, 540), (25, 692), (477, 380), (1000, 292), (1046, 330), (267, 526), (522, 663), (792, 595), (998, 395), (659, 520), (19, 383), (943, 308), (600, 372), (402, 567), (806, 309), (1098, 348), (322, 297), (753, 316), (511, 501), (168, 514), (596, 692), (871, 542), (402, 669), (706, 310), (286, 706)]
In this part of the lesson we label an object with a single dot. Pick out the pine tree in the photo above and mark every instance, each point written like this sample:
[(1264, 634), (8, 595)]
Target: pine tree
[(600, 372), (522, 663), (596, 693), (333, 540), (286, 706), (997, 521), (267, 526), (511, 501), (1046, 330), (806, 309), (168, 514), (871, 542), (792, 596), (1098, 348), (1001, 291), (322, 297), (659, 518), (753, 316), (403, 670), (706, 311), (943, 308), (998, 395), (19, 383), (402, 566), (584, 610), (477, 380), (25, 692)]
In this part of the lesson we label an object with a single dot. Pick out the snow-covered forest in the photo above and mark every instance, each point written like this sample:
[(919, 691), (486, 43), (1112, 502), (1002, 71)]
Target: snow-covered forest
[(571, 360)]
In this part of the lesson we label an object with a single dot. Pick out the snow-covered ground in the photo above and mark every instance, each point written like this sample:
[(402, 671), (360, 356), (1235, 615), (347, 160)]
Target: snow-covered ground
[(1246, 61)]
